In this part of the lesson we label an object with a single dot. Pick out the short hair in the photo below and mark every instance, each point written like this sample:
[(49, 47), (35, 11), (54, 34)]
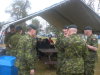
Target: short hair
[(18, 28), (12, 26)]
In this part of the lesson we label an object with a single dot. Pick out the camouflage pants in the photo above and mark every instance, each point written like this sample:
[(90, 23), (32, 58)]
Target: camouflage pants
[(60, 73), (89, 68), (23, 72), (23, 67)]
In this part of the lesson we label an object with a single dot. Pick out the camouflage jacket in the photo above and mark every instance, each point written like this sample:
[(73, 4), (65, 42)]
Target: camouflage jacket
[(14, 40), (93, 41), (7, 37), (75, 52), (26, 52), (60, 47)]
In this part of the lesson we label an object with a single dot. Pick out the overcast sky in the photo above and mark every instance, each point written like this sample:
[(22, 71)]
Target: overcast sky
[(36, 5)]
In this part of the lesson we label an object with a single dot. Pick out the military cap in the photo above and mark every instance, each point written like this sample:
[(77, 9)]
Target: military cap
[(88, 28), (73, 26), (18, 28), (32, 26), (65, 27)]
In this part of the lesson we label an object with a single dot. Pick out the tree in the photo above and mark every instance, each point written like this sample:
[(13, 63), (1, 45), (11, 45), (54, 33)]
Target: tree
[(91, 3), (1, 24), (51, 29), (98, 5), (36, 23), (18, 9)]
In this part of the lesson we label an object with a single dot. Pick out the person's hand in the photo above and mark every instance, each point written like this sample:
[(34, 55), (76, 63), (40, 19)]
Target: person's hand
[(32, 72), (92, 48)]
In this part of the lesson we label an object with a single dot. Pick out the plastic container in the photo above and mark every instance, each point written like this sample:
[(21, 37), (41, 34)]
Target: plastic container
[(7, 65), (7, 60), (8, 70)]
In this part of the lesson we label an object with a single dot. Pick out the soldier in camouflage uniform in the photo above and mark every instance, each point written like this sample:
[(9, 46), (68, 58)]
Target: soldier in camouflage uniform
[(14, 40), (75, 52), (92, 45), (26, 52), (8, 36), (58, 45)]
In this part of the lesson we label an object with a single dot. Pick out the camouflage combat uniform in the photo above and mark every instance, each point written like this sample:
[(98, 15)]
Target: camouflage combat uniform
[(74, 56), (7, 37), (92, 57), (60, 47), (13, 42), (26, 54), (6, 41)]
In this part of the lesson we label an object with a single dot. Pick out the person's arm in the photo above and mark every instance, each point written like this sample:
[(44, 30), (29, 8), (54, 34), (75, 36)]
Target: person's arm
[(59, 44), (85, 52), (92, 47), (94, 44)]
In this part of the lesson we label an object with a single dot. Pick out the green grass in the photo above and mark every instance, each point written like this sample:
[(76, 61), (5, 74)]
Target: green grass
[(97, 70), (44, 69)]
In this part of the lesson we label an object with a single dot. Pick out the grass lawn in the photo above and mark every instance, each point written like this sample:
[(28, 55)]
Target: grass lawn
[(46, 70), (97, 70), (43, 69)]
